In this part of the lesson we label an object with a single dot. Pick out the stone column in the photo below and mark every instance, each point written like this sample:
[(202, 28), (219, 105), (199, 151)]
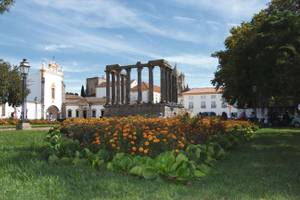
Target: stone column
[(139, 70), (128, 83), (175, 91), (107, 87), (118, 86), (167, 85), (170, 86), (122, 88), (113, 88), (162, 84), (150, 92)]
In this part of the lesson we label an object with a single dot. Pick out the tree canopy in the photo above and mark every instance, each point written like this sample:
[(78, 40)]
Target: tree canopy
[(5, 4), (260, 65), (82, 92), (10, 84)]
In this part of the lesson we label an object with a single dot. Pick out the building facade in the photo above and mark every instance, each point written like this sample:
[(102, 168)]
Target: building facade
[(92, 84), (83, 107), (200, 100)]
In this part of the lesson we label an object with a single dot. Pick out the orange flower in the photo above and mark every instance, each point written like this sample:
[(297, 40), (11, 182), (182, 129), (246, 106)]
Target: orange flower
[(146, 151), (141, 149), (156, 140), (133, 148)]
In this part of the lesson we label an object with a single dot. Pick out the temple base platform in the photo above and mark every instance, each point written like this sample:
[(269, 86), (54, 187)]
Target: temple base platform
[(144, 109)]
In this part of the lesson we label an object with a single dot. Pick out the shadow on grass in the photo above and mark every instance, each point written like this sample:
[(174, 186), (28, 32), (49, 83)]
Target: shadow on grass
[(267, 167)]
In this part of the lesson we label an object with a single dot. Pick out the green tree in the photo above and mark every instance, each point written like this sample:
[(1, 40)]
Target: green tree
[(10, 85), (82, 93), (4, 81), (15, 88), (260, 65), (5, 4)]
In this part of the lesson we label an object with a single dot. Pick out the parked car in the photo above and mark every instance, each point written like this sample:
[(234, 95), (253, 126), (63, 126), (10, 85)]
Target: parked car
[(296, 121)]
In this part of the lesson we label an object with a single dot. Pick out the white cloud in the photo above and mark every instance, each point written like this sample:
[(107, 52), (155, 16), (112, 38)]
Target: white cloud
[(113, 14), (194, 60), (227, 8), (56, 47), (184, 19)]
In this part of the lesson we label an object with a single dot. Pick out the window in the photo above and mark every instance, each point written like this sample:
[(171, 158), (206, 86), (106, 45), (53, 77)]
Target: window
[(93, 113), (213, 96), (224, 105), (191, 105), (84, 113), (203, 97), (191, 97), (213, 104), (69, 113), (53, 92), (77, 113), (3, 109), (203, 104)]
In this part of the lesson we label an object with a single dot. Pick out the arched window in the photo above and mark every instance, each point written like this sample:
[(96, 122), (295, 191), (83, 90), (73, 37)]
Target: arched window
[(69, 113), (93, 113), (53, 91)]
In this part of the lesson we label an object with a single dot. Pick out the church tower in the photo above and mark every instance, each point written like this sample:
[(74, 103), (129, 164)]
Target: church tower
[(52, 91), (46, 92)]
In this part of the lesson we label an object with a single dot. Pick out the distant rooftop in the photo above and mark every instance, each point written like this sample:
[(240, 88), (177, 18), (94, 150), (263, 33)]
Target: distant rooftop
[(145, 86), (205, 90)]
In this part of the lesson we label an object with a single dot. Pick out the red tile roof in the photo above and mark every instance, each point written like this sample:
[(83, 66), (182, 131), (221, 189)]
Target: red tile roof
[(206, 90), (145, 86)]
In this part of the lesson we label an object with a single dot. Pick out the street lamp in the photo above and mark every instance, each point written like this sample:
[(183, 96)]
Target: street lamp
[(24, 69)]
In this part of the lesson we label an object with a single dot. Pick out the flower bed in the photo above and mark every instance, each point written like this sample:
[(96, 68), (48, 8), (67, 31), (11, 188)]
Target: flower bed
[(146, 136), (177, 149)]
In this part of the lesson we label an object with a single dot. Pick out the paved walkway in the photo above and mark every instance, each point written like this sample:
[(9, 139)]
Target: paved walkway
[(33, 128)]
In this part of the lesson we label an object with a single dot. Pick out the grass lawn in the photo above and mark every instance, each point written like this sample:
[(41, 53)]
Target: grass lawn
[(268, 167)]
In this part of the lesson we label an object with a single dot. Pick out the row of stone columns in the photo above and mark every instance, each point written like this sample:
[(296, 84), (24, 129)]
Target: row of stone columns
[(117, 86), (121, 83), (168, 85)]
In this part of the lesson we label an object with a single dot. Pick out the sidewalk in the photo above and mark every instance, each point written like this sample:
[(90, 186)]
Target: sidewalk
[(33, 129)]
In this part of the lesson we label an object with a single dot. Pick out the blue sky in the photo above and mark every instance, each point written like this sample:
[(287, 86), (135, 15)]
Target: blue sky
[(86, 35)]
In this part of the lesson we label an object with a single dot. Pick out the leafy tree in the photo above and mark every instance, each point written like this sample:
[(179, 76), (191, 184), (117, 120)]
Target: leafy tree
[(4, 81), (5, 4), (260, 66), (10, 85), (82, 93), (15, 88)]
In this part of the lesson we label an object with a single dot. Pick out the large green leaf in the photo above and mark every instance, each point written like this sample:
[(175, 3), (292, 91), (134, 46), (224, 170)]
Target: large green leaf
[(150, 173), (137, 170)]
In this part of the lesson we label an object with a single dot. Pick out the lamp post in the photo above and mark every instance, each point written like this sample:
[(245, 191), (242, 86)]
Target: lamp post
[(24, 69)]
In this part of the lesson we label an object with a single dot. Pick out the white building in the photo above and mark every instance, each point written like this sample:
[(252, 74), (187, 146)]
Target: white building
[(83, 107), (199, 100), (145, 91), (46, 95)]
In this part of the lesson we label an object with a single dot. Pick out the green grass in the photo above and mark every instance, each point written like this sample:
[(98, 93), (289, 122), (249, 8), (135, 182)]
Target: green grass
[(268, 167)]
